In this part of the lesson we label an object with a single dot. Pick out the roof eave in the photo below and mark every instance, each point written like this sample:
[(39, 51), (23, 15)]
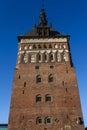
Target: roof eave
[(35, 37)]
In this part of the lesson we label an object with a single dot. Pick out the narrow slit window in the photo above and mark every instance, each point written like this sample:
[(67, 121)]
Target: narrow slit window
[(24, 84), (45, 56), (23, 92), (51, 56), (19, 76), (39, 57)]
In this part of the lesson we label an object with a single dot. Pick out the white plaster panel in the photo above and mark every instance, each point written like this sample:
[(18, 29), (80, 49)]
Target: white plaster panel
[(42, 40), (60, 51), (54, 51)]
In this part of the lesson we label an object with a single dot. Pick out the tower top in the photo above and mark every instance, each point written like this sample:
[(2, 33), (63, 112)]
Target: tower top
[(42, 29)]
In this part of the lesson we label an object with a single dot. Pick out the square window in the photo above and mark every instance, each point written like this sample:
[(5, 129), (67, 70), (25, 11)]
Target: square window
[(36, 67), (48, 98), (51, 79), (38, 99), (48, 120), (39, 80), (39, 121)]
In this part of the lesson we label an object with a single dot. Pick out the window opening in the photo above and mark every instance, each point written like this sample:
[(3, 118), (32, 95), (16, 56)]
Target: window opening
[(39, 46), (63, 83), (50, 46), (50, 78), (39, 57), (45, 57), (23, 92), (24, 84), (48, 98), (19, 76), (36, 67), (51, 57), (34, 46), (79, 121), (38, 79), (51, 67), (48, 120), (38, 120), (66, 90), (38, 98), (45, 46)]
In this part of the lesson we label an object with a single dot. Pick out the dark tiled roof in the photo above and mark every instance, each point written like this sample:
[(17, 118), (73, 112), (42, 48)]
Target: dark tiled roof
[(34, 33), (42, 30)]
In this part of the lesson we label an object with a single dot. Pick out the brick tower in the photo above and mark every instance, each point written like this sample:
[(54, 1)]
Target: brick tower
[(45, 93)]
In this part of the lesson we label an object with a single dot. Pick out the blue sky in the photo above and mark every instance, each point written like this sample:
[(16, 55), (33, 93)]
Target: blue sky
[(18, 16)]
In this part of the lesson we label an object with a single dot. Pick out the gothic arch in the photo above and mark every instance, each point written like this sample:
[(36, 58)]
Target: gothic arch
[(38, 79), (45, 56), (50, 78), (51, 57)]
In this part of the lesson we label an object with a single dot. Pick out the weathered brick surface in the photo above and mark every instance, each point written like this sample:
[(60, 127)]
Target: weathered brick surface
[(64, 108)]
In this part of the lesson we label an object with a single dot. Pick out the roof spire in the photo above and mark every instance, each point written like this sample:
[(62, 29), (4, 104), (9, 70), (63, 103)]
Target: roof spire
[(42, 20)]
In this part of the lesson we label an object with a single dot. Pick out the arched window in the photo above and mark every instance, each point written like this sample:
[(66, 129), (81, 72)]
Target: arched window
[(45, 56), (50, 46), (48, 120), (38, 120), (38, 79), (48, 98), (39, 57), (39, 46), (38, 98), (51, 56), (44, 46), (50, 78), (34, 46)]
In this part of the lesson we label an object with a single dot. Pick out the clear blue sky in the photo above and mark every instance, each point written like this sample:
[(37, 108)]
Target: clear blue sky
[(18, 16)]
